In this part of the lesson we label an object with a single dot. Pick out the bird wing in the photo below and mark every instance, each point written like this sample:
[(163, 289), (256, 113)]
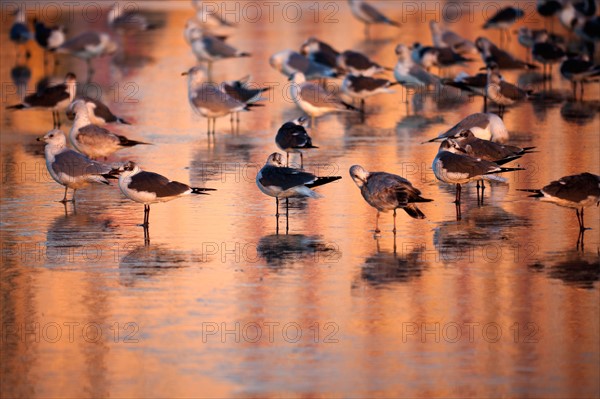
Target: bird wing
[(218, 47), (81, 42), (574, 188), (285, 178), (318, 97), (96, 136), (151, 182), (75, 164)]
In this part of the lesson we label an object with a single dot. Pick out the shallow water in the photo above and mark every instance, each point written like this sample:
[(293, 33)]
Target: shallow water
[(500, 303)]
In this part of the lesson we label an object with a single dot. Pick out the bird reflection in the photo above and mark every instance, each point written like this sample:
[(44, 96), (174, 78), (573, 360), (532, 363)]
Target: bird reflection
[(144, 261), (282, 250), (579, 112), (384, 267), (20, 75), (573, 268)]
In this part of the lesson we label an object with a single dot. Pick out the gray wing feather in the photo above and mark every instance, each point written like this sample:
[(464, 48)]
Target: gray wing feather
[(216, 101), (74, 164), (93, 135), (318, 97)]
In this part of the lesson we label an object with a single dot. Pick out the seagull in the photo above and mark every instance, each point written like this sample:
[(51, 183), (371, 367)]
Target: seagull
[(289, 62), (452, 165), (19, 32), (486, 126), (501, 92), (488, 150), (490, 53), (443, 37), (149, 188), (386, 192), (56, 98), (470, 83), (98, 112), (49, 38), (368, 15), (209, 100), (441, 57), (320, 52), (361, 87), (579, 70), (210, 48), (70, 168), (279, 181), (243, 92), (504, 19), (292, 137), (124, 20), (410, 74), (210, 21), (575, 191), (546, 53), (358, 64), (314, 100), (89, 45), (94, 141)]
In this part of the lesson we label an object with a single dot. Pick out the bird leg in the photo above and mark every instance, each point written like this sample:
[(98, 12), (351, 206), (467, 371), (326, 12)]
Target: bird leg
[(287, 159), (301, 161), (482, 189), (478, 198), (146, 215), (57, 120), (377, 231), (457, 198), (64, 200), (276, 206), (367, 35), (146, 236), (458, 212), (394, 222), (287, 216), (231, 122)]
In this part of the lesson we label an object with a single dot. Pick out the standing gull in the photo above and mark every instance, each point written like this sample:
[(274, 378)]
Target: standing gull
[(210, 49), (440, 57), (292, 137), (490, 53), (386, 192), (289, 62), (313, 99), (358, 64), (488, 150), (69, 168), (486, 126), (55, 98), (94, 141), (368, 15), (209, 100), (503, 20), (362, 87), (579, 70), (89, 45), (320, 52), (279, 181), (149, 188), (410, 74), (546, 53), (443, 37), (501, 92), (242, 91), (576, 191), (452, 165)]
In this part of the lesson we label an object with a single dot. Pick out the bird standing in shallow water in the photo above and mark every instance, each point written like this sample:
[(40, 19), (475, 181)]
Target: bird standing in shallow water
[(386, 192), (149, 188), (369, 15), (70, 168), (292, 137)]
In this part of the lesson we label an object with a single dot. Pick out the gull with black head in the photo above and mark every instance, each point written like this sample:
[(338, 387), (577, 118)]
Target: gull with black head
[(292, 137)]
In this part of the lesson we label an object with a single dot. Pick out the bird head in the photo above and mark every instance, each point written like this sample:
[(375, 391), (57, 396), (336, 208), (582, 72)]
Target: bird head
[(359, 175)]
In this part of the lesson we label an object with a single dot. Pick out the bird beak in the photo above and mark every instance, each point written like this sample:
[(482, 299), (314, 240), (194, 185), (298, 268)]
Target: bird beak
[(483, 68), (184, 73), (41, 138)]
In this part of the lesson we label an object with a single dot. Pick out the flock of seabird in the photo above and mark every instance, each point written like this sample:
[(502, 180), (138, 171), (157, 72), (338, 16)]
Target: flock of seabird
[(474, 149)]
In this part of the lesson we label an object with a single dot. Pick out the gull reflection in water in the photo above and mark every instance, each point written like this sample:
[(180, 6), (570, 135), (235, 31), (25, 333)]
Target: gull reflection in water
[(283, 250), (575, 268), (397, 266), (579, 112)]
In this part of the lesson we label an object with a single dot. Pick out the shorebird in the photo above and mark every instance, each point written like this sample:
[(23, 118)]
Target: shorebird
[(94, 141), (486, 126), (440, 57), (124, 20), (474, 84), (443, 37), (357, 63), (361, 87), (452, 165), (412, 75), (279, 181), (314, 100), (503, 19), (87, 46), (242, 91), (490, 53), (369, 15), (149, 188), (546, 53), (289, 62), (387, 192), (292, 137), (501, 92), (98, 112), (48, 37), (210, 48), (488, 150), (19, 32), (579, 70), (210, 20), (320, 52), (55, 98), (575, 191), (209, 100), (70, 168)]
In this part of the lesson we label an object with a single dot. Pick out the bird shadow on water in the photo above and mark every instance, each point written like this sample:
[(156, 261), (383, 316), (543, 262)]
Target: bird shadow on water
[(282, 250), (579, 112), (574, 267), (386, 267)]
